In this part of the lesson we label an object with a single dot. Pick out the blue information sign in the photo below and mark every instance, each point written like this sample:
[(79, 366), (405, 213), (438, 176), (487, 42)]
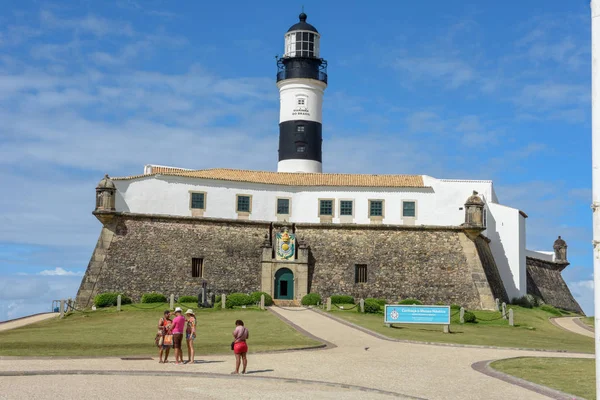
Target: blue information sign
[(413, 314)]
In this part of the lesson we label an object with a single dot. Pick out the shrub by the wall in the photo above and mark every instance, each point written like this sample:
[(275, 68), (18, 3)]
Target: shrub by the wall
[(551, 309), (381, 302), (455, 307), (311, 299), (238, 300), (154, 298), (110, 299), (410, 301), (523, 301), (470, 318), (372, 306), (188, 299), (256, 298), (342, 299)]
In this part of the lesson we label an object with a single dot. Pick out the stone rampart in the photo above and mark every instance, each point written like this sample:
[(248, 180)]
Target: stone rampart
[(139, 254), (544, 280)]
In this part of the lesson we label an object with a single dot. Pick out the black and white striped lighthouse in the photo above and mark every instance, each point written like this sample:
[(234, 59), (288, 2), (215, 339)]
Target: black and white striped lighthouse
[(301, 79)]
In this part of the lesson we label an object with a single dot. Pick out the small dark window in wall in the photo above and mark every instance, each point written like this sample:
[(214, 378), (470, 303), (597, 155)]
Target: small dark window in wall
[(300, 128), (408, 209), (283, 206), (198, 200), (376, 208), (243, 204), (326, 207), (360, 273), (346, 207), (197, 267), (301, 148)]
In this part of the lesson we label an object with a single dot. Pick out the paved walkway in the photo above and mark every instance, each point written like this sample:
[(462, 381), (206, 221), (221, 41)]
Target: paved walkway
[(570, 324), (15, 323), (361, 366)]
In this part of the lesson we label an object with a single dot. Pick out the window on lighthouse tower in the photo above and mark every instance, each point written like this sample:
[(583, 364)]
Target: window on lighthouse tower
[(302, 44)]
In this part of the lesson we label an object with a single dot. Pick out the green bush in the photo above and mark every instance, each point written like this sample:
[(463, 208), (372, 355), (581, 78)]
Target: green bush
[(524, 301), (188, 299), (381, 302), (470, 318), (455, 306), (410, 301), (154, 298), (311, 299), (255, 296), (551, 309), (342, 299), (217, 304), (238, 300), (372, 306), (110, 299)]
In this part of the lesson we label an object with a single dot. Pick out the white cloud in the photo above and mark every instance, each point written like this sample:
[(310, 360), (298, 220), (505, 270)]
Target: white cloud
[(447, 72), (59, 272)]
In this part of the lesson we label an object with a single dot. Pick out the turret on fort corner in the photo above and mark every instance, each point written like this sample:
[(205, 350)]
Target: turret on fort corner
[(474, 216), (105, 199), (560, 251), (301, 79)]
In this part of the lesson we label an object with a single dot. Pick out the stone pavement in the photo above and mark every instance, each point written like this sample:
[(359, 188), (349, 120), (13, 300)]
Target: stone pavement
[(361, 366), (570, 324), (15, 323)]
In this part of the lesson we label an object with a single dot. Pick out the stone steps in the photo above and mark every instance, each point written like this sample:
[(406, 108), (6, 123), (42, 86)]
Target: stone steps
[(286, 303)]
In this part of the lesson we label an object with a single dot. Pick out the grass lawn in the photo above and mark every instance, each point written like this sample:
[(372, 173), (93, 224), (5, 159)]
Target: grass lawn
[(532, 330), (131, 332), (589, 321), (568, 375)]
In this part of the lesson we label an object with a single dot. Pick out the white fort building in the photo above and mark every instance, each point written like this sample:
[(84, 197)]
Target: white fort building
[(301, 194)]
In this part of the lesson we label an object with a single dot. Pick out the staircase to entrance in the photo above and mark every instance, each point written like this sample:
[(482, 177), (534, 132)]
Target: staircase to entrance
[(286, 303)]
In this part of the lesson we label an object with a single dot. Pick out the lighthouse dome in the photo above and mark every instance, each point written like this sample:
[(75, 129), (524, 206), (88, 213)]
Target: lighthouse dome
[(303, 25)]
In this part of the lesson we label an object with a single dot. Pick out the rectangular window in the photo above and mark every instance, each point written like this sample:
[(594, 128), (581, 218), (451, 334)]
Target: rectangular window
[(346, 207), (376, 208), (243, 203), (409, 209), (283, 206), (198, 200), (197, 267), (360, 273), (301, 102), (300, 128), (326, 207)]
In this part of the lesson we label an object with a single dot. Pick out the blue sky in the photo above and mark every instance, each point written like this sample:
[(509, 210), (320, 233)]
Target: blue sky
[(453, 89)]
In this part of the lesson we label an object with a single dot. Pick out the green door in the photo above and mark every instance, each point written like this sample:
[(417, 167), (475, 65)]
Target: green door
[(284, 284)]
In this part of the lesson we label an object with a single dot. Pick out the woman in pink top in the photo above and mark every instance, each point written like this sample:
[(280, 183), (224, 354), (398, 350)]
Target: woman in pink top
[(240, 348)]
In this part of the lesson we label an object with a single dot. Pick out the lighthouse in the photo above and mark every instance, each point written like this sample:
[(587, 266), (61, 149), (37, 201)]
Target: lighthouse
[(301, 79)]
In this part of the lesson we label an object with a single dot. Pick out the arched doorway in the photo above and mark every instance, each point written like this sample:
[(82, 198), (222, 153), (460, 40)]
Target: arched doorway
[(284, 284)]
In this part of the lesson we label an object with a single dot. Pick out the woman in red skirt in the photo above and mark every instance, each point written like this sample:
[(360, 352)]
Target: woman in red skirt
[(240, 348)]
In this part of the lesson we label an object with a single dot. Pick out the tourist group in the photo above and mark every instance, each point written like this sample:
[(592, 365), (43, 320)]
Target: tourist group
[(170, 334)]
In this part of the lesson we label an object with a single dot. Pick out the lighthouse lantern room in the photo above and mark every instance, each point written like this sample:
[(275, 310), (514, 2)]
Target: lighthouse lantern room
[(301, 79)]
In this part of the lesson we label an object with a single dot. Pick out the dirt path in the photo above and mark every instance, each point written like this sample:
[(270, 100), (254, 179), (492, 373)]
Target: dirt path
[(569, 324)]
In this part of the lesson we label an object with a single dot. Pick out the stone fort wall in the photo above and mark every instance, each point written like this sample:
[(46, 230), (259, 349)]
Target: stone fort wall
[(137, 254), (544, 280)]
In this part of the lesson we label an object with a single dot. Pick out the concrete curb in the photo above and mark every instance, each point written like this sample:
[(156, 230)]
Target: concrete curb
[(485, 368), (183, 374), (470, 346), (583, 325)]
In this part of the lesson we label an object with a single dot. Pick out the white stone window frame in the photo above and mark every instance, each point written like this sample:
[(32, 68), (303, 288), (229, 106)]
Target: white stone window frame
[(405, 219), (347, 219), (283, 217), (376, 219), (197, 212), (243, 214), (326, 218)]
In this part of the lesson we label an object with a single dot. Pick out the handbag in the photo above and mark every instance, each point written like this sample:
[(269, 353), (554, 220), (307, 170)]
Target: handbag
[(232, 344), (168, 340)]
